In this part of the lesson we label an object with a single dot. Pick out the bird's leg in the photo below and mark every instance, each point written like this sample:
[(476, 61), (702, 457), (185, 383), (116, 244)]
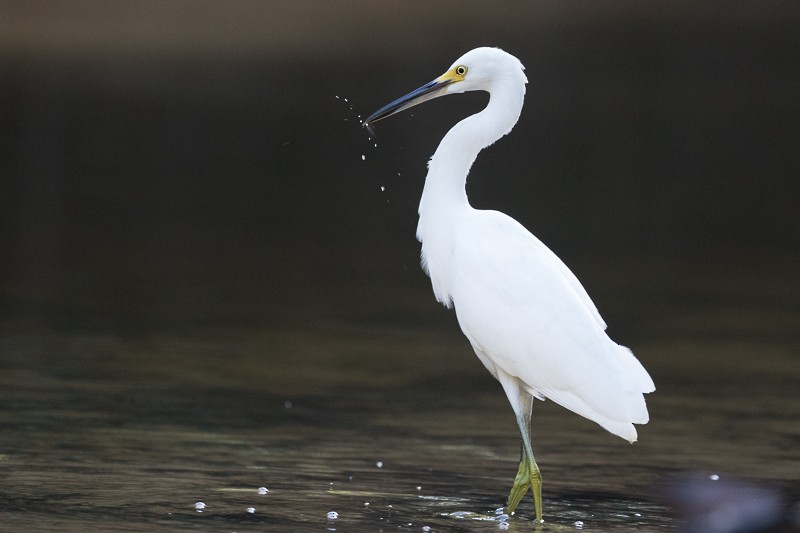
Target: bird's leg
[(528, 475)]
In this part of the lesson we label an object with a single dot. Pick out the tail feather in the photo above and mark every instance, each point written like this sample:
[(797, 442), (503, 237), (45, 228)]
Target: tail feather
[(635, 369), (628, 407), (620, 427)]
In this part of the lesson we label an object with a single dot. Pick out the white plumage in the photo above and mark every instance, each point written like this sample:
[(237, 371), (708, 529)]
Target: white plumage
[(528, 319), (527, 316)]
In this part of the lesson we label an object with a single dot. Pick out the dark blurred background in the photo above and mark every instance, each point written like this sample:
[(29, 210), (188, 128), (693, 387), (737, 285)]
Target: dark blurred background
[(196, 164), (209, 279)]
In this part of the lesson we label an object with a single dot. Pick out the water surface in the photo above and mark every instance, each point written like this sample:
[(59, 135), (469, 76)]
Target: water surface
[(392, 425)]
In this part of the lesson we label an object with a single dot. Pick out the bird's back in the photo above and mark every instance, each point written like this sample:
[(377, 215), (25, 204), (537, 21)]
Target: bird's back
[(528, 316)]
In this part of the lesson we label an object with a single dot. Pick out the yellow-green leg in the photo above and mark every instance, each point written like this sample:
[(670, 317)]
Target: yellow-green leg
[(528, 475)]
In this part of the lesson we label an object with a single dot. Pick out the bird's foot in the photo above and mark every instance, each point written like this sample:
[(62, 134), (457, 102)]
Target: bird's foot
[(521, 485), (528, 477)]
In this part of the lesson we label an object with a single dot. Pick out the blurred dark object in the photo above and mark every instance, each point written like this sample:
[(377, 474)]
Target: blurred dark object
[(709, 503)]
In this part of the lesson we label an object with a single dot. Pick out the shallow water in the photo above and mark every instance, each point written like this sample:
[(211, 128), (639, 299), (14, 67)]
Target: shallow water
[(391, 425)]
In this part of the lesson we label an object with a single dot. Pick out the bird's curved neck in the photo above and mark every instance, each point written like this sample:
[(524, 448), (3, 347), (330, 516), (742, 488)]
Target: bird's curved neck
[(448, 168), (444, 197)]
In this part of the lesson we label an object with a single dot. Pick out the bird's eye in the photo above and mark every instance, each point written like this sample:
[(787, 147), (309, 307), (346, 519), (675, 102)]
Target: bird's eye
[(461, 70)]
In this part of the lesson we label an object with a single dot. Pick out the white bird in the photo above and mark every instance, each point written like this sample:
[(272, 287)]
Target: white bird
[(526, 315)]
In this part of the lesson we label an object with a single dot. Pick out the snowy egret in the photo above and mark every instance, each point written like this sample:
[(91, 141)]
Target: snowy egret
[(526, 315)]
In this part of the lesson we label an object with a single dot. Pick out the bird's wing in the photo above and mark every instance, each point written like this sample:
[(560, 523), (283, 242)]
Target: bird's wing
[(545, 255), (529, 316)]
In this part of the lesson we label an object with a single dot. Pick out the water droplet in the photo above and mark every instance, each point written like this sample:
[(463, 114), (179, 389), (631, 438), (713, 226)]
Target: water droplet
[(337, 97), (366, 504), (287, 404), (333, 515), (199, 506), (345, 99), (419, 487), (578, 524), (379, 464), (262, 490), (363, 157), (426, 528), (713, 477), (251, 510), (383, 188)]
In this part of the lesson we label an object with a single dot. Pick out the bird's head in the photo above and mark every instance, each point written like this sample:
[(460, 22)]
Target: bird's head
[(477, 70)]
